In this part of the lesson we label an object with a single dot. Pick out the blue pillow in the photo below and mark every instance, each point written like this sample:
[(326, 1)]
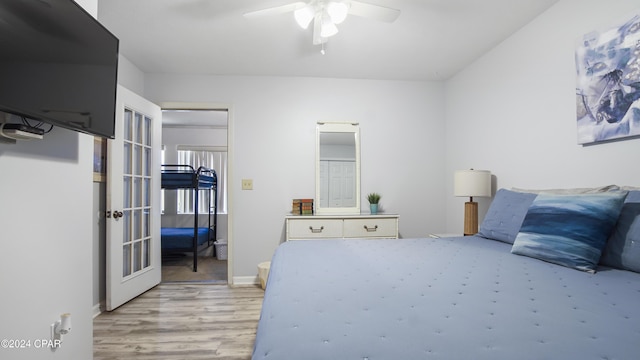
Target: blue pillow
[(504, 217), (623, 248), (569, 230)]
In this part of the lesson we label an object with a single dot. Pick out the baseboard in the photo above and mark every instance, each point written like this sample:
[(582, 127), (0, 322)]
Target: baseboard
[(245, 280), (97, 309)]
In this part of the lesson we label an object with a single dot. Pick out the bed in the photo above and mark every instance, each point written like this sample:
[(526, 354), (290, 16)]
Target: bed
[(474, 297), (196, 238)]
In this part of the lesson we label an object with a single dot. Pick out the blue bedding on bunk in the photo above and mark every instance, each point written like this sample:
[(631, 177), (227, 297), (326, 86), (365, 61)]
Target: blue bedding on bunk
[(185, 179), (182, 238), (450, 298)]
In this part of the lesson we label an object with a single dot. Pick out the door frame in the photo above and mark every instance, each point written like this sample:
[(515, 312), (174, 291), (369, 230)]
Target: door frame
[(181, 105)]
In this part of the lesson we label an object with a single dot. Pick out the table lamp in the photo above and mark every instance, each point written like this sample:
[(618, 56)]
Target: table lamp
[(471, 183)]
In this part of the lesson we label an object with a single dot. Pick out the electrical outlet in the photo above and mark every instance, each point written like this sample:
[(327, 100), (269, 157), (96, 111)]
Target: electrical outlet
[(247, 184)]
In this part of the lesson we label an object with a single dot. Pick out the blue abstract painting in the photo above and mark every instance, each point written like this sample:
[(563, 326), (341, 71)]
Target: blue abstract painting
[(608, 83)]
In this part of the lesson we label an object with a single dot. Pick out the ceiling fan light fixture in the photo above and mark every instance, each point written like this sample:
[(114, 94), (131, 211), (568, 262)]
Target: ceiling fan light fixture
[(337, 11), (326, 14), (304, 16), (327, 29)]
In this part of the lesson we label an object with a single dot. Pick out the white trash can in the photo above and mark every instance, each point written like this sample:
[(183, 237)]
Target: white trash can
[(263, 273), (221, 249)]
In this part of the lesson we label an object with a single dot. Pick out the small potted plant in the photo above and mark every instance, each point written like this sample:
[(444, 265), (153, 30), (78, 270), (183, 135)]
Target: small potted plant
[(374, 199)]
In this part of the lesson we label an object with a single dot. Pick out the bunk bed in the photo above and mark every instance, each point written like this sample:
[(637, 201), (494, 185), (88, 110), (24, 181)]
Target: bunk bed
[(183, 239)]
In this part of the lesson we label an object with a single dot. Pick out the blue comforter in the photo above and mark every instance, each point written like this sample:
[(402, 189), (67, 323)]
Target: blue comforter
[(182, 238), (450, 298)]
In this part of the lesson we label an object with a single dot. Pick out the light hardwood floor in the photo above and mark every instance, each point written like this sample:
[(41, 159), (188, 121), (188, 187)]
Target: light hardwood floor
[(181, 321), (179, 268)]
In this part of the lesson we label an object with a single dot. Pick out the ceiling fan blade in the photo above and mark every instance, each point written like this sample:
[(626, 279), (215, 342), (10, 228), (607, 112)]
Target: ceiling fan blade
[(371, 11), (275, 10)]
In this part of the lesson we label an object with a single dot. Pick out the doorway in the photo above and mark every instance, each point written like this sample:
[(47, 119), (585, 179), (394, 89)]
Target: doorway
[(196, 137)]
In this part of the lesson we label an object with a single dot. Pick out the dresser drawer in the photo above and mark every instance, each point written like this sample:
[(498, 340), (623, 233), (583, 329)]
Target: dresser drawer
[(373, 227), (314, 228)]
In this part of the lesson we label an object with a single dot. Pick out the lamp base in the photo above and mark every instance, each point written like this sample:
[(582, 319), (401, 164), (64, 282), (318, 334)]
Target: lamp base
[(470, 218)]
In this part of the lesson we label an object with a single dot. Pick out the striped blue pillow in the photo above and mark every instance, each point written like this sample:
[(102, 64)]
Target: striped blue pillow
[(569, 230)]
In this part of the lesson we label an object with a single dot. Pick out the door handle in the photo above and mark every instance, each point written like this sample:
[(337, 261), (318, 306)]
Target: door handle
[(116, 214)]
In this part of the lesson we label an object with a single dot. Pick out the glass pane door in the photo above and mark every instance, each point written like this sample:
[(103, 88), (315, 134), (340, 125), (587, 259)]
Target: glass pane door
[(133, 200), (136, 239)]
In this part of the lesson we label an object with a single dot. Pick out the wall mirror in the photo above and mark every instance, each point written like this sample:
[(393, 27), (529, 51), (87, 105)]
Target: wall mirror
[(337, 168)]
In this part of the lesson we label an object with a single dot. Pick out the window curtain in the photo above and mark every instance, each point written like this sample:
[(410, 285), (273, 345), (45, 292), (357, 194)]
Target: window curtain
[(213, 158)]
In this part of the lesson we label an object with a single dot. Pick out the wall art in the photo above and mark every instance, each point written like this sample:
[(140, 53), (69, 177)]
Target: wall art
[(608, 83)]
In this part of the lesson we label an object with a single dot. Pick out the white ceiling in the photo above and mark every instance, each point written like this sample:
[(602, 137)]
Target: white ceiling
[(431, 40)]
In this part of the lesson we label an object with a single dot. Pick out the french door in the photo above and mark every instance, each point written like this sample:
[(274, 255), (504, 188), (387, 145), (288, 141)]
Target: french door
[(133, 200)]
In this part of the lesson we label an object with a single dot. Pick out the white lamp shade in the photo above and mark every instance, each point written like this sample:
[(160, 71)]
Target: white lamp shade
[(337, 11), (327, 29), (472, 183), (304, 16)]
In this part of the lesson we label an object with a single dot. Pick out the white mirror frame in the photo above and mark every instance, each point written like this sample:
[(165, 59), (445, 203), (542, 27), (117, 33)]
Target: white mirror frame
[(337, 127)]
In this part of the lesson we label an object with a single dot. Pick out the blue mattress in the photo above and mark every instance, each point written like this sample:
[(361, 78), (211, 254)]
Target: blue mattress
[(451, 298), (182, 238)]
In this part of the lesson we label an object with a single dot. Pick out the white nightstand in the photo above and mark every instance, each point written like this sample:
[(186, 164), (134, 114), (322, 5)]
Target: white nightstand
[(365, 226)]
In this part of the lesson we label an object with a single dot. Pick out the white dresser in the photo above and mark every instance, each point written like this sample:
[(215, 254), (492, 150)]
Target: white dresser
[(382, 226)]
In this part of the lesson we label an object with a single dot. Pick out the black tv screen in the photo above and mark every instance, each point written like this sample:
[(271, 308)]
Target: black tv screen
[(58, 64)]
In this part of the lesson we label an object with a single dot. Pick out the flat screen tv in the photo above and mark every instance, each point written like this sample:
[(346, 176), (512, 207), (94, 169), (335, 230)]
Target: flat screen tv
[(58, 65)]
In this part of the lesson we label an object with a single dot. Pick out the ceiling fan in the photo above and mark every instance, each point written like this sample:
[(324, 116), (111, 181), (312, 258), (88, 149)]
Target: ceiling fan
[(326, 14)]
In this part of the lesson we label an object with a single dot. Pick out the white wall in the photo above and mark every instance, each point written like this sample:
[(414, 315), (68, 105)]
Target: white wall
[(130, 76), (174, 136), (513, 111), (273, 121), (46, 241)]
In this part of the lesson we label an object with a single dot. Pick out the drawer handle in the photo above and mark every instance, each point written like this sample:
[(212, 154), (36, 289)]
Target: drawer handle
[(371, 229), (315, 231)]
